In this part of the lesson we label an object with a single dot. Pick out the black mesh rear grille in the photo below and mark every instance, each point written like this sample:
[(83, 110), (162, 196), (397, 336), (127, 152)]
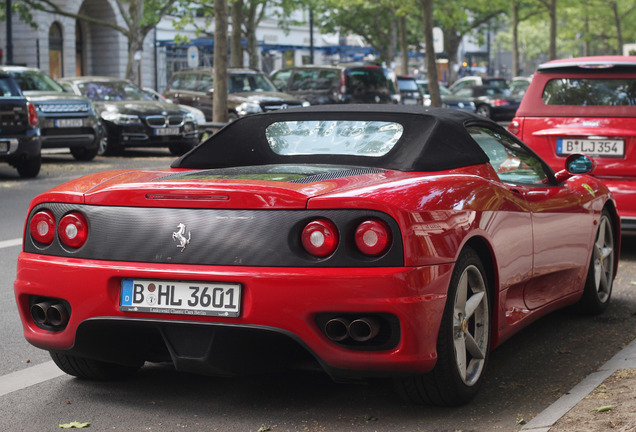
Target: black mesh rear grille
[(337, 174)]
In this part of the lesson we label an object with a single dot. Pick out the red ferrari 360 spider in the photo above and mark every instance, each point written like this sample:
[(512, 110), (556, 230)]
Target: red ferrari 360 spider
[(372, 241)]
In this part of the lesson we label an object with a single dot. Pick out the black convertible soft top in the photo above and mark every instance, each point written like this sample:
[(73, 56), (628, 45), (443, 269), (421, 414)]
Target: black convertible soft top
[(433, 139)]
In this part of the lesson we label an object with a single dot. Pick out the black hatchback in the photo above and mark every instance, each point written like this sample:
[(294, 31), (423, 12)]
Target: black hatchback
[(342, 84)]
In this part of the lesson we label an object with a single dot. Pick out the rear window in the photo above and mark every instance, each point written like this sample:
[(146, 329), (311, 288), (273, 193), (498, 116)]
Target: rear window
[(367, 79), (590, 92), (407, 85), (7, 89), (335, 137)]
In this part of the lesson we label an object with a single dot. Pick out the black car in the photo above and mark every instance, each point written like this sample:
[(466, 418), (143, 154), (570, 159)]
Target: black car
[(448, 99), (132, 118), (249, 92), (19, 132), (321, 85), (65, 120), (409, 90), (490, 101)]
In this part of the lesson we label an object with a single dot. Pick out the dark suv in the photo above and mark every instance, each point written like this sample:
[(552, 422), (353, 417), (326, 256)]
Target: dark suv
[(66, 120), (249, 92), (322, 85), (19, 132)]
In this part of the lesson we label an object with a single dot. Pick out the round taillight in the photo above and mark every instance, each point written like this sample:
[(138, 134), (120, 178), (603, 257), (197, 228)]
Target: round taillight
[(73, 230), (373, 237), (320, 237), (42, 227)]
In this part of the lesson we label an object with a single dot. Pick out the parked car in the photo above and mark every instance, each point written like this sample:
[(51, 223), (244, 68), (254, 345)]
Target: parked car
[(249, 92), (65, 120), (340, 84), (133, 119), (586, 105), (448, 99), (369, 240), (519, 85), (491, 102), (203, 126), (410, 92), (472, 81), (19, 132)]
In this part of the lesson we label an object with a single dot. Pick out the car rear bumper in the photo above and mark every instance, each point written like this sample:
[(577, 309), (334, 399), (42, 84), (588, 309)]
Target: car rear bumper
[(287, 303), (21, 147)]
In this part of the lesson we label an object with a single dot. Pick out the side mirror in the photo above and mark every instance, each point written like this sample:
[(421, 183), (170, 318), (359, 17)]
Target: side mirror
[(575, 164)]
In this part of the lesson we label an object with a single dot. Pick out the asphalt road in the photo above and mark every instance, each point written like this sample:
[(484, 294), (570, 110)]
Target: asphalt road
[(525, 374)]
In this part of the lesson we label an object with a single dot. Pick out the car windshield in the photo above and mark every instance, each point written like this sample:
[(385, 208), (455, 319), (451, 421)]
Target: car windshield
[(112, 91), (31, 80), (249, 82), (590, 92), (337, 137)]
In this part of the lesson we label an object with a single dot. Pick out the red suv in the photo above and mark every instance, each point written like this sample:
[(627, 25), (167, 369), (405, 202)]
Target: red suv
[(586, 105)]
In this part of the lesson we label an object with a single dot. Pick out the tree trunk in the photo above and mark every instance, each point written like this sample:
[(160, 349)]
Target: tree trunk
[(552, 54), (236, 49), (515, 38), (619, 31), (219, 104), (431, 60), (404, 47), (393, 42)]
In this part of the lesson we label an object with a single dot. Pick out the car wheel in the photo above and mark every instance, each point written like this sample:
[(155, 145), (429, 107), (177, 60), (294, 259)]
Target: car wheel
[(463, 343), (90, 369), (179, 149), (84, 154), (29, 168), (483, 110), (600, 275), (112, 146)]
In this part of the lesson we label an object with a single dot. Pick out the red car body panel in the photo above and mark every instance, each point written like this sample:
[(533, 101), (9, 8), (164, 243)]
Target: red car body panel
[(540, 125)]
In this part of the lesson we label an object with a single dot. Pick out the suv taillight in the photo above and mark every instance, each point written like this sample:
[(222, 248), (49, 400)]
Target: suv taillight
[(343, 83), (33, 114), (514, 127)]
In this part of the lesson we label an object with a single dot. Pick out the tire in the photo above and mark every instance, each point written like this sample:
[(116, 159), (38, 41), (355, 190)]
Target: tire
[(179, 149), (600, 275), (84, 154), (463, 343), (29, 168), (111, 145), (90, 369), (483, 110)]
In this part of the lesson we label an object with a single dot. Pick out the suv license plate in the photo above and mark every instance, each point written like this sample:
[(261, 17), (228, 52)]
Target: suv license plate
[(167, 131), (181, 297), (69, 123), (592, 147)]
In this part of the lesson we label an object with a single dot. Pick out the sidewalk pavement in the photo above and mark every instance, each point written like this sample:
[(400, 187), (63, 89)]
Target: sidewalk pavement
[(625, 359)]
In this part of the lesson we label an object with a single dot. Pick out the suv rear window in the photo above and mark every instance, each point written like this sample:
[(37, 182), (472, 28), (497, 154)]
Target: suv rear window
[(590, 92), (367, 79)]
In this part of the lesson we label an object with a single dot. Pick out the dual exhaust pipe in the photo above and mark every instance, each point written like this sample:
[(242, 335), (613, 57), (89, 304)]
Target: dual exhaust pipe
[(359, 330), (52, 313)]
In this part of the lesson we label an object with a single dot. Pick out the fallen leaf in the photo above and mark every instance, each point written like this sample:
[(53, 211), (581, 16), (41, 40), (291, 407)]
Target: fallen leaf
[(603, 408), (77, 425), (264, 428)]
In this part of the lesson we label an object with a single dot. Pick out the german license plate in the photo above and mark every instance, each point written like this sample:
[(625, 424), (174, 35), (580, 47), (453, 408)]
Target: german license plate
[(593, 147), (167, 131), (181, 297), (69, 123)]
